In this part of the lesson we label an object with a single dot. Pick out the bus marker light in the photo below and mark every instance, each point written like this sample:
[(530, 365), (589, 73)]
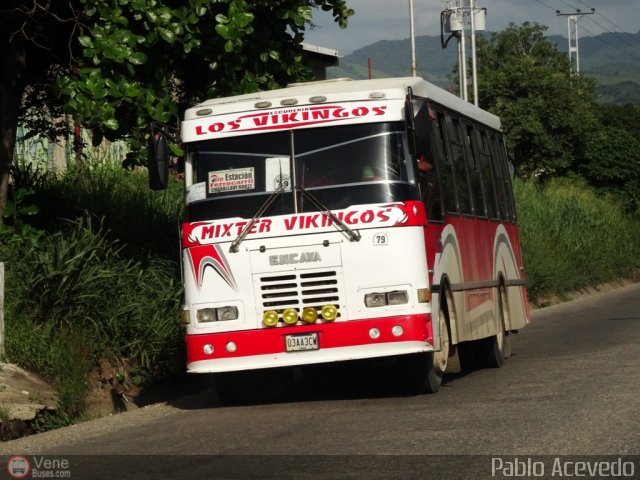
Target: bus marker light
[(208, 349), (184, 317), (309, 315), (397, 330), (424, 295), (290, 316), (329, 312), (374, 333), (270, 318), (231, 347)]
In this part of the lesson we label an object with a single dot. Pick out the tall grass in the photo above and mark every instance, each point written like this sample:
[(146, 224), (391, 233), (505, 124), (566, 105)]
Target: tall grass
[(93, 277), (572, 238)]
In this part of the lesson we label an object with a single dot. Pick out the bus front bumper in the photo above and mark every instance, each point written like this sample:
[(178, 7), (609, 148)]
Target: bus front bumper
[(308, 344)]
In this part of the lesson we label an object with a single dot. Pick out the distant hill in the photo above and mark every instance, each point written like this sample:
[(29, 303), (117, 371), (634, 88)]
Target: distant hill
[(612, 59)]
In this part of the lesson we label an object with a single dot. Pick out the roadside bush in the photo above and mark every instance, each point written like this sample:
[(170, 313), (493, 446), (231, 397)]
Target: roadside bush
[(79, 292), (77, 280), (572, 238)]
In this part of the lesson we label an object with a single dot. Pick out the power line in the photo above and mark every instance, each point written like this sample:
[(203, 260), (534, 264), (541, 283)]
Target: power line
[(615, 47), (625, 36), (546, 5), (617, 35)]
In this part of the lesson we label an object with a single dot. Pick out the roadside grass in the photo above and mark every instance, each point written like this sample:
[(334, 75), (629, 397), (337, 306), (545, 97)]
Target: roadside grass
[(573, 238), (92, 278)]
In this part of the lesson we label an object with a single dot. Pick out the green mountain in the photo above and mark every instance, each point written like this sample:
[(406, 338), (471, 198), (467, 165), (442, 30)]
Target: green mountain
[(612, 59)]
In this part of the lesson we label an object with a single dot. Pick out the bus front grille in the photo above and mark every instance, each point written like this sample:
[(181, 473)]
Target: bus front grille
[(299, 290)]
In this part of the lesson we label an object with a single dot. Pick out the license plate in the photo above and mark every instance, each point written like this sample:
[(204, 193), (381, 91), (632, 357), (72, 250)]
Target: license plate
[(301, 342)]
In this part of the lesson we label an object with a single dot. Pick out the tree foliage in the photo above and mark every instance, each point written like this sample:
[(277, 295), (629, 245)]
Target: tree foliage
[(119, 64), (547, 113)]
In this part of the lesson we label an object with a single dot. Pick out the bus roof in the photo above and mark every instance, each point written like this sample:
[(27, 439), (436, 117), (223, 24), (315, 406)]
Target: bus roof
[(340, 90)]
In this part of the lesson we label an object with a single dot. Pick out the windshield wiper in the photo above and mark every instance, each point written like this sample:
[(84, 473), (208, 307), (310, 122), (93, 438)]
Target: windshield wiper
[(265, 206), (353, 235)]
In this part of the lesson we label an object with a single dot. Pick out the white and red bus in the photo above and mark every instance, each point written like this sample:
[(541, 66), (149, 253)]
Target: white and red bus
[(314, 234)]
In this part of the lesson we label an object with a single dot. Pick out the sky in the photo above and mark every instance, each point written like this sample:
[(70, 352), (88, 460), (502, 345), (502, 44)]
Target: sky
[(376, 20)]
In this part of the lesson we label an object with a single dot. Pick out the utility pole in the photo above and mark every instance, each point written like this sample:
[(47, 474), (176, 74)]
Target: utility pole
[(413, 40), (572, 32), (456, 21)]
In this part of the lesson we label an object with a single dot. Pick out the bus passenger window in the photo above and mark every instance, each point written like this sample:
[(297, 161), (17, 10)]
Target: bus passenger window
[(487, 173), (474, 171), (500, 170), (460, 169), (442, 165)]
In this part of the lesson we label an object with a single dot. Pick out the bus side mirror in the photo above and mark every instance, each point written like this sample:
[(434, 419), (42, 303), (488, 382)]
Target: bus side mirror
[(421, 125), (417, 114), (158, 160)]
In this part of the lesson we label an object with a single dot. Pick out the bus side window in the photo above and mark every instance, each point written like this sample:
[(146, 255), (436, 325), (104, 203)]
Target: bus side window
[(456, 150), (443, 165), (498, 159), (482, 143), (473, 166)]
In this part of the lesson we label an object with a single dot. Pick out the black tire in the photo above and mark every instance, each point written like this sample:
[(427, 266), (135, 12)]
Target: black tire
[(228, 387), (423, 372), (417, 373)]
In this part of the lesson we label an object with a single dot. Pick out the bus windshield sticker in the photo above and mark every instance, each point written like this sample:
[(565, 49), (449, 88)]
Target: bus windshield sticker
[(197, 191), (232, 180), (278, 169)]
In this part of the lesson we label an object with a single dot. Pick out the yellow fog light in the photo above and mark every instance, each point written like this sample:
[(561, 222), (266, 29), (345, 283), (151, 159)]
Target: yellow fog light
[(309, 315), (290, 316), (329, 312), (270, 318)]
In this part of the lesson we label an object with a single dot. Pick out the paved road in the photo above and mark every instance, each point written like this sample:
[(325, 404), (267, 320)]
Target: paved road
[(571, 388)]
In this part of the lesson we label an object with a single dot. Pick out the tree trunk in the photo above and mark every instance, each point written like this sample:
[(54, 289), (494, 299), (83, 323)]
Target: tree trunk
[(12, 85)]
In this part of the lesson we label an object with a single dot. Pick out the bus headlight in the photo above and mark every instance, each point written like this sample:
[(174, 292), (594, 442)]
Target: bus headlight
[(372, 300), (227, 313), (397, 297), (219, 314), (290, 316), (206, 315)]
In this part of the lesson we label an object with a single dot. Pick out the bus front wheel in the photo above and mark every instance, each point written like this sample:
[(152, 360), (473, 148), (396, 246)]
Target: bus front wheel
[(422, 372)]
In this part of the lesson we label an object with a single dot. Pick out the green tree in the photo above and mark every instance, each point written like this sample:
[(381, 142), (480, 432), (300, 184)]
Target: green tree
[(547, 113), (119, 64), (612, 165)]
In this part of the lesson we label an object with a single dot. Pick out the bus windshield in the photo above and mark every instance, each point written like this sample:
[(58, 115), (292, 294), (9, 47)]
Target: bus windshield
[(339, 166)]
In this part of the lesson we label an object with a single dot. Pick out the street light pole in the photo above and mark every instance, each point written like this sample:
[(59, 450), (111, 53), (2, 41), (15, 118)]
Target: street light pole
[(413, 40)]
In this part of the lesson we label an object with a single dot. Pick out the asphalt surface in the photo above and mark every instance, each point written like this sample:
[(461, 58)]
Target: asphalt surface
[(570, 393)]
